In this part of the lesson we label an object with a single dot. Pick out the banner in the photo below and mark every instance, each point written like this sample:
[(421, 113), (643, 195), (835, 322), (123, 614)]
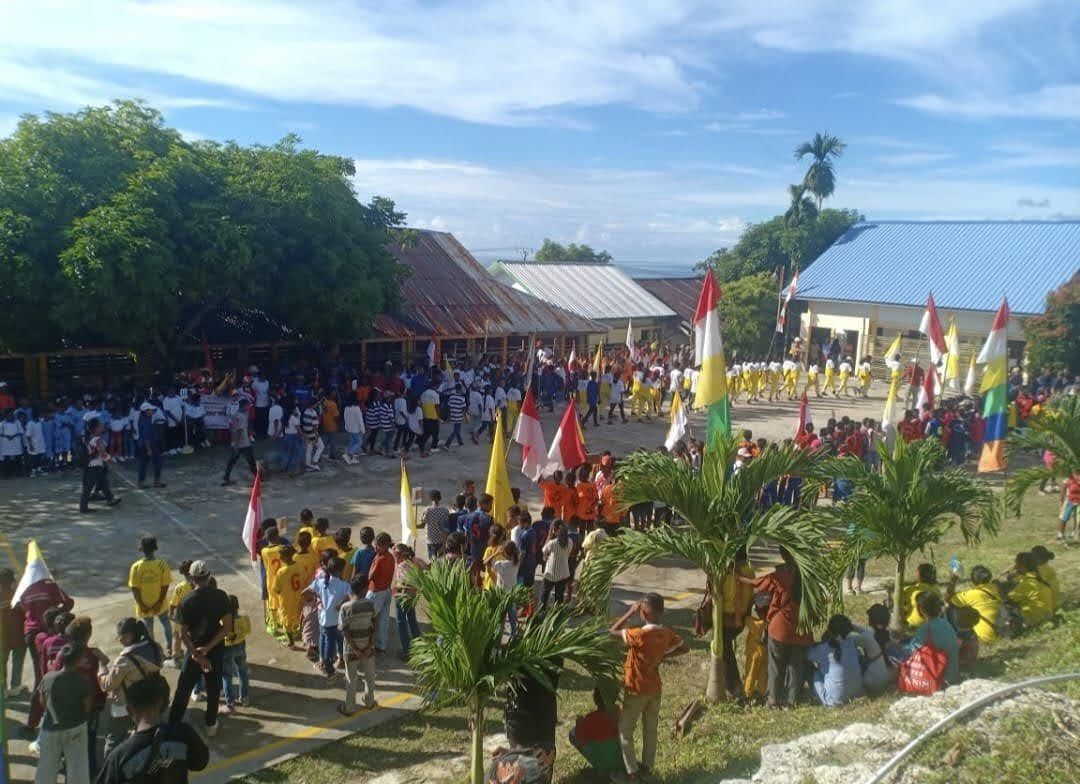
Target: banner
[(218, 408)]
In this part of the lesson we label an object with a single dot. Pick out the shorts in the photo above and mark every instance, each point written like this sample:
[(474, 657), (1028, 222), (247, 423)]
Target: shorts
[(1068, 509)]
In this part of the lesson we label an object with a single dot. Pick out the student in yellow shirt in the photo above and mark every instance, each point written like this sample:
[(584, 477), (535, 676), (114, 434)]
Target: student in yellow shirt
[(234, 659), (307, 523), (755, 679), (737, 599), (345, 549), (306, 557), (926, 581), (271, 560), (983, 597), (288, 589), (322, 540), (1033, 596), (496, 538), (1046, 572), (179, 592), (149, 579)]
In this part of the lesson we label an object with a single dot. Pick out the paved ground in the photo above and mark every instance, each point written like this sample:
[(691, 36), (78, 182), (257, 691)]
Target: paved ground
[(293, 709)]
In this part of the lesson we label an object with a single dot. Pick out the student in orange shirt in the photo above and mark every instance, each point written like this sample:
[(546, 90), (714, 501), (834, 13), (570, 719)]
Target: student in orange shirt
[(588, 499), (331, 419), (646, 647), (553, 490), (569, 508)]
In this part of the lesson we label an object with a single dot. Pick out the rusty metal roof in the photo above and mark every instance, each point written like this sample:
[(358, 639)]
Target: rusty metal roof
[(449, 294), (679, 294)]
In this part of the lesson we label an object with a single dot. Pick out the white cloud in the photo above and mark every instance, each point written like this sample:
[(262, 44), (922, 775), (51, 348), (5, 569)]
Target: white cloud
[(912, 158), (1023, 155), (1052, 102)]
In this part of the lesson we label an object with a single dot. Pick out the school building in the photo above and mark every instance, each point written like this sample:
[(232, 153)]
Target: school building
[(873, 282)]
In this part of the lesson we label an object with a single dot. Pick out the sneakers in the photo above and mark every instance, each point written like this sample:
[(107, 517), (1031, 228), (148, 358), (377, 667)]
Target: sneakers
[(172, 664)]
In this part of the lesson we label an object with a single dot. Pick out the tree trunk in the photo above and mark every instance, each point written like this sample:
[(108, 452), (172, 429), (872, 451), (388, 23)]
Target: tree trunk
[(476, 775), (897, 622), (716, 688)]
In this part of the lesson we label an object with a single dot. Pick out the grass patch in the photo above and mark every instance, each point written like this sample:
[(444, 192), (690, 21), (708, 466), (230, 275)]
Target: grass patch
[(725, 742)]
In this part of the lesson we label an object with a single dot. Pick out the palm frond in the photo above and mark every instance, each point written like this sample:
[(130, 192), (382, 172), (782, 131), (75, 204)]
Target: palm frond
[(1056, 428)]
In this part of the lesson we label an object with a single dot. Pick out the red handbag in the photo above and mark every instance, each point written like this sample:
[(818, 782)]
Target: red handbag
[(923, 672)]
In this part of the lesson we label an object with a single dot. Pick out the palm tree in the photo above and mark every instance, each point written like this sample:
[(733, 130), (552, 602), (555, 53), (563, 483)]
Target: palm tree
[(914, 500), (821, 177), (463, 659), (723, 516), (1056, 428), (802, 209)]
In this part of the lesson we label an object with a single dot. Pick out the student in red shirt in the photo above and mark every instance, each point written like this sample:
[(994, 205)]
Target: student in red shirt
[(380, 579)]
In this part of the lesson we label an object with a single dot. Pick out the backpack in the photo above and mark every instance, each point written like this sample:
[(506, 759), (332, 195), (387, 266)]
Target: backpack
[(923, 672), (1009, 623)]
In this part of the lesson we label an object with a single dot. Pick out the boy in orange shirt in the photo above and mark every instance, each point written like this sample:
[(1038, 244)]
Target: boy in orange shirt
[(588, 499), (646, 647), (553, 490)]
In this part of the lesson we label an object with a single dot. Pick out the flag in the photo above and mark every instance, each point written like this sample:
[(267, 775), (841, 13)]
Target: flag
[(570, 362), (408, 512), (929, 389), (931, 327), (253, 517), (890, 402), (789, 294), (35, 572), (805, 415), (567, 449), (498, 480), (530, 435), (448, 368), (432, 352), (995, 391), (677, 428), (630, 342), (598, 360), (952, 360), (969, 382), (709, 354), (893, 351)]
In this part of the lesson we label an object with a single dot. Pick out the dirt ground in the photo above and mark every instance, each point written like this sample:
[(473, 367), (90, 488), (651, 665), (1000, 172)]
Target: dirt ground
[(293, 707)]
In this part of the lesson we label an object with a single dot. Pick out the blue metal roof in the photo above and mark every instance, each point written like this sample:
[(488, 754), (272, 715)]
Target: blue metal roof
[(968, 265)]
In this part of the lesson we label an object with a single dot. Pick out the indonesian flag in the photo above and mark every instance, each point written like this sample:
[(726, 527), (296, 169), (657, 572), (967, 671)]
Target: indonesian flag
[(570, 362), (929, 389), (36, 571), (789, 294), (567, 450), (630, 341), (805, 414), (408, 513), (931, 327), (253, 517), (530, 436), (709, 354), (677, 428)]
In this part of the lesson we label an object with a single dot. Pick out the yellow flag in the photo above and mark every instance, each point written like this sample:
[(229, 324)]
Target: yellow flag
[(952, 359), (598, 361), (890, 402), (893, 351), (408, 511), (498, 480)]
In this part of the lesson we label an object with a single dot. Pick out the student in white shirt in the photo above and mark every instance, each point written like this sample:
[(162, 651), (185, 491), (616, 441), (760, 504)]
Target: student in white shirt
[(487, 417), (12, 434), (173, 407), (353, 420), (618, 391), (195, 412), (260, 388)]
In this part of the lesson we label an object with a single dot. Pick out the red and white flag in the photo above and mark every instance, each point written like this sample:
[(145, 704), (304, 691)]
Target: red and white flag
[(788, 295), (805, 415), (931, 327), (253, 518), (567, 449), (929, 389), (571, 361), (529, 434)]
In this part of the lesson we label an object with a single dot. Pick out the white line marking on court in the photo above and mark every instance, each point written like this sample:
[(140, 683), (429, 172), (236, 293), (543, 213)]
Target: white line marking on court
[(164, 509)]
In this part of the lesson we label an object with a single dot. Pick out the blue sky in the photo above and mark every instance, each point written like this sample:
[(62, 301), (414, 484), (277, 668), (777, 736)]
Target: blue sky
[(656, 130)]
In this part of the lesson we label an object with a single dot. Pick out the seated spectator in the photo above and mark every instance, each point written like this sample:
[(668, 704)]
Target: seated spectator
[(873, 642), (1030, 593), (925, 582), (596, 736), (982, 598), (938, 632), (1046, 572), (838, 675)]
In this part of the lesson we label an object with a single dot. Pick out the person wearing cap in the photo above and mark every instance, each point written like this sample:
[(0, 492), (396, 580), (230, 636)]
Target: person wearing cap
[(140, 658), (240, 440), (206, 619), (148, 445)]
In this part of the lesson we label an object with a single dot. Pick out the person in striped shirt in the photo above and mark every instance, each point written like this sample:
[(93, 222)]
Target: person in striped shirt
[(386, 423), (456, 406)]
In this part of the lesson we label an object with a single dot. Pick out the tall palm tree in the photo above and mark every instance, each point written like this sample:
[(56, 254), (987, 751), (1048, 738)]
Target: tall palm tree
[(820, 178), (914, 500), (463, 659), (723, 516), (1057, 428), (802, 209)]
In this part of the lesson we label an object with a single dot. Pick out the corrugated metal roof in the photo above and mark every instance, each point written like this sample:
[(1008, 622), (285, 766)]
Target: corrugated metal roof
[(968, 265), (679, 294), (595, 291), (448, 293)]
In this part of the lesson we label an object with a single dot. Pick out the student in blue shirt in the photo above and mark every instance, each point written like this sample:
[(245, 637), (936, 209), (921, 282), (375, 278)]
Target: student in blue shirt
[(365, 554), (332, 592), (838, 675)]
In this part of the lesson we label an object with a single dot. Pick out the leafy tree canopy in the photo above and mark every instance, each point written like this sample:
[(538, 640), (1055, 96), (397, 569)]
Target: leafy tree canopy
[(748, 313), (1054, 337), (115, 230), (765, 246), (554, 252)]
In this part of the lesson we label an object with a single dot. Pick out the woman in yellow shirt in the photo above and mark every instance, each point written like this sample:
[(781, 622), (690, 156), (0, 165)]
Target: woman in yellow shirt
[(494, 546), (1033, 596), (1046, 572), (983, 597), (926, 581)]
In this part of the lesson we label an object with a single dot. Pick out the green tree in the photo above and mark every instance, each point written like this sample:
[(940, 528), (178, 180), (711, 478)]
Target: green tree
[(748, 315), (820, 178), (910, 505), (116, 231), (1054, 336), (801, 210), (723, 516), (1057, 428), (464, 661), (552, 252)]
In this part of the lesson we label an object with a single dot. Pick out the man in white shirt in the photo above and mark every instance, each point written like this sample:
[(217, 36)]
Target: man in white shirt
[(260, 387), (173, 408), (618, 391), (195, 413)]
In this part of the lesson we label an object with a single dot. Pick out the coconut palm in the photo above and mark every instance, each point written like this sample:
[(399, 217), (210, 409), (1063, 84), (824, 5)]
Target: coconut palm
[(911, 504), (802, 209), (723, 516), (820, 178), (463, 659), (1057, 428)]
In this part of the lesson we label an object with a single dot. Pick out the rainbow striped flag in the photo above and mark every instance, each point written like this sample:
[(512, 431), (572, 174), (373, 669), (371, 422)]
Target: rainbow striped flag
[(994, 389), (709, 354)]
